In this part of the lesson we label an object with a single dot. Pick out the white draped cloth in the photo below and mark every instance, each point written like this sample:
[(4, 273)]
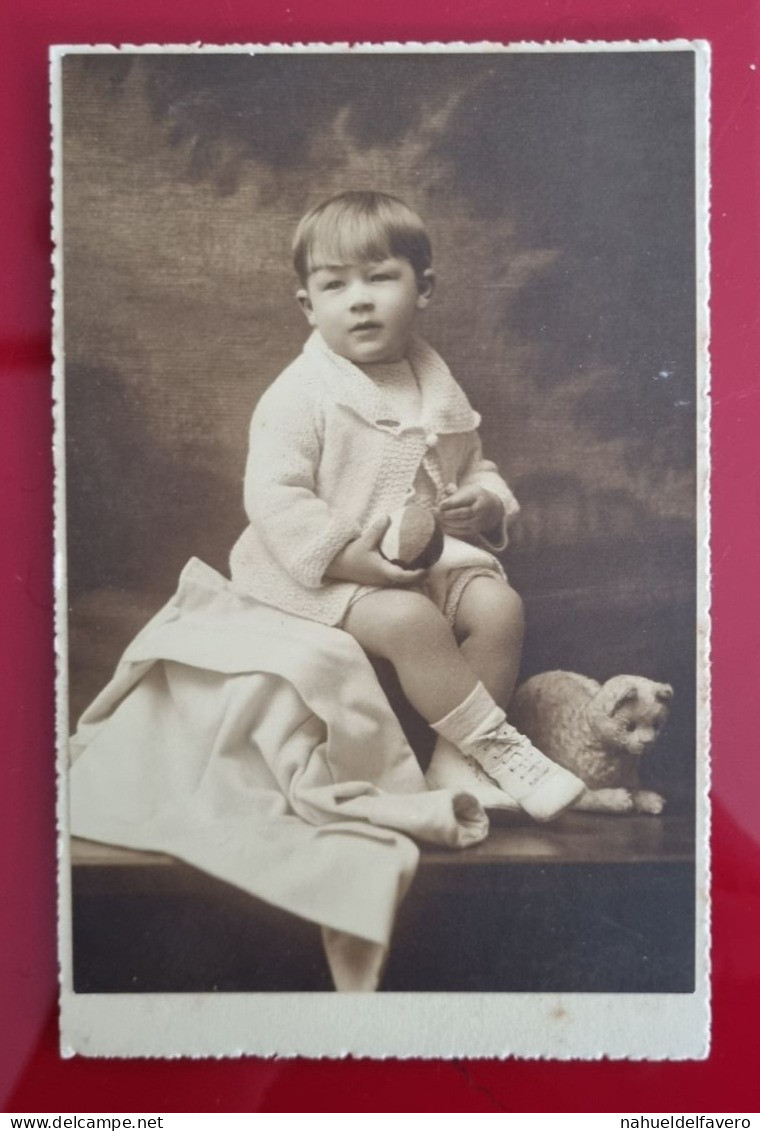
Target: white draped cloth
[(260, 748)]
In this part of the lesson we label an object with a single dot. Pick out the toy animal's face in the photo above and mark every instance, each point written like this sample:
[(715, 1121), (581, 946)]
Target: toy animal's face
[(629, 712)]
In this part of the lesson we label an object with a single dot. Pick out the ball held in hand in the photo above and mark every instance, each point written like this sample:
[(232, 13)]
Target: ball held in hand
[(413, 540)]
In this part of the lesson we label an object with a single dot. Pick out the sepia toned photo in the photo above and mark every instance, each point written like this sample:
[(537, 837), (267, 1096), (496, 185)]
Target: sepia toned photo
[(381, 405)]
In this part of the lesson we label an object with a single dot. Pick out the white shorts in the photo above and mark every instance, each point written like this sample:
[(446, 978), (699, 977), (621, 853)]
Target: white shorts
[(459, 564)]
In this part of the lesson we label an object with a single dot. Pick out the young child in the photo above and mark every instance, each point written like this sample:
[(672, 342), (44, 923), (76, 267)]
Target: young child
[(367, 419)]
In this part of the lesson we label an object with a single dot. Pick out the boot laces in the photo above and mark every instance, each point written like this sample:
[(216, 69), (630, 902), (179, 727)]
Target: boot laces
[(478, 770), (506, 749)]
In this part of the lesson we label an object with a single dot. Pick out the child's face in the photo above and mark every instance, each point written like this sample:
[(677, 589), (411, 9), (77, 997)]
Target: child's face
[(366, 311)]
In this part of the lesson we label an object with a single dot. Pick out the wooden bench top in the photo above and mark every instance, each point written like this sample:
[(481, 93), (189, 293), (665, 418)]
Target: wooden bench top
[(574, 838)]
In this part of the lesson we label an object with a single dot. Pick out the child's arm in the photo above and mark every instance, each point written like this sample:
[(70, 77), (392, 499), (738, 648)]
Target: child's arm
[(467, 511), (480, 504), (361, 562), (311, 540), (300, 530)]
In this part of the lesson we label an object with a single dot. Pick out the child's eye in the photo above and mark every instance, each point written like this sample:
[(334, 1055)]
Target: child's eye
[(382, 277), (332, 285), (630, 726)]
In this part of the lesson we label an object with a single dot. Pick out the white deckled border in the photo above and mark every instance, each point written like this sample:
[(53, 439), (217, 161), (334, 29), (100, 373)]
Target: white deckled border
[(531, 1026), (406, 47), (450, 1025)]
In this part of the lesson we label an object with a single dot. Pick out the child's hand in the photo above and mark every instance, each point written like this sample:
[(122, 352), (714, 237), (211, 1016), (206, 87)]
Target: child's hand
[(361, 562), (469, 510)]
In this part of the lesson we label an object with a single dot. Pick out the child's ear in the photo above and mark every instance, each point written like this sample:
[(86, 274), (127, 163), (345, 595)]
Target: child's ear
[(425, 288), (302, 297)]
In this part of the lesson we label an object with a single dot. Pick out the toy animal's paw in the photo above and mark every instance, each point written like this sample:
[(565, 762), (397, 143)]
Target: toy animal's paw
[(616, 800), (647, 801), (605, 801)]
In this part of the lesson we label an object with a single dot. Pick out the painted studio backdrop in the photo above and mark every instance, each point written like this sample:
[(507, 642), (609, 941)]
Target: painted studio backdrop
[(559, 194)]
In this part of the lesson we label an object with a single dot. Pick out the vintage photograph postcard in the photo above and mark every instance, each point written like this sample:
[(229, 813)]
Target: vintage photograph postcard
[(382, 522)]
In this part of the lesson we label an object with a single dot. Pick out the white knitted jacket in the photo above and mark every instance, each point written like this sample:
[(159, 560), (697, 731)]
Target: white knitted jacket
[(327, 457)]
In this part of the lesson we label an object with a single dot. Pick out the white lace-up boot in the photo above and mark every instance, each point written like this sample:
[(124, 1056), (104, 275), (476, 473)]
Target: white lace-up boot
[(480, 731), (539, 786), (450, 769)]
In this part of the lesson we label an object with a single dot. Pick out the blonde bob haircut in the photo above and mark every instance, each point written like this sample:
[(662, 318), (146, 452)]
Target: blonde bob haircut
[(360, 227)]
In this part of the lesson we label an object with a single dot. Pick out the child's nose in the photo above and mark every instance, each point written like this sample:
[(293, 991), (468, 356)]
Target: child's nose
[(361, 298)]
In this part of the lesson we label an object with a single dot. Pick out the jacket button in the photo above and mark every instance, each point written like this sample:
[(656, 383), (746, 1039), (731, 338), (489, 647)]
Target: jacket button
[(431, 439)]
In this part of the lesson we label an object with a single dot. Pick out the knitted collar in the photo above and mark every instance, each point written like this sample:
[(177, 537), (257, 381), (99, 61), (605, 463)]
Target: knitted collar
[(445, 407)]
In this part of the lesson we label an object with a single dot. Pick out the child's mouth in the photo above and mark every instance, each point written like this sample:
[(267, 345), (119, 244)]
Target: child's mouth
[(360, 327)]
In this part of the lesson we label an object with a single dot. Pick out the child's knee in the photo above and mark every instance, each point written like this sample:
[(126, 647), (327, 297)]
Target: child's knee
[(406, 612), (492, 608), (504, 617), (392, 621), (512, 609)]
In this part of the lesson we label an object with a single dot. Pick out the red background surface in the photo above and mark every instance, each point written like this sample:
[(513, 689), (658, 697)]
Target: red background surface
[(32, 1077)]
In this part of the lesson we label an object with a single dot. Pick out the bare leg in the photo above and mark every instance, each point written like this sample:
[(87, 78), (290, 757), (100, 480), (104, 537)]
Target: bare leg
[(407, 629), (490, 626)]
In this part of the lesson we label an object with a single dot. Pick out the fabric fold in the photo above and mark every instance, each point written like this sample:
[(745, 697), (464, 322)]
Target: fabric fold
[(260, 748)]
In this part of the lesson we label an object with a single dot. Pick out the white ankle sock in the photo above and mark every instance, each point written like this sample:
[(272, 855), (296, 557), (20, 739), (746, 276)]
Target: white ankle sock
[(477, 714)]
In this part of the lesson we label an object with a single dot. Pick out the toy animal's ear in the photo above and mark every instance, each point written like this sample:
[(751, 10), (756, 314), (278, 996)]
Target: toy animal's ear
[(664, 693), (617, 693), (626, 697)]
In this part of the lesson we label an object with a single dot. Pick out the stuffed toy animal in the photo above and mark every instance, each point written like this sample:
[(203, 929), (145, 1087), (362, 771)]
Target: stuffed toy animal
[(598, 731)]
